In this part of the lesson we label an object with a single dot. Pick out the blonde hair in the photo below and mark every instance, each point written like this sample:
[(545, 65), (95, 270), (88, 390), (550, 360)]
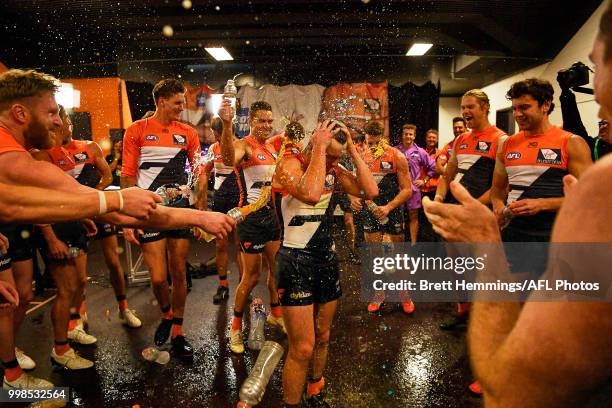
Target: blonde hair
[(482, 97), (18, 84)]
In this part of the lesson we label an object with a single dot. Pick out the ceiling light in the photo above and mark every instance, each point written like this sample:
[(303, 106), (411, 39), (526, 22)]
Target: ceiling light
[(418, 49), (219, 53)]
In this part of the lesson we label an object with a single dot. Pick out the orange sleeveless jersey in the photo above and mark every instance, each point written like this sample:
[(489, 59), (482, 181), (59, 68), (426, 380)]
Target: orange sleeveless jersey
[(476, 153), (226, 177), (62, 158), (536, 165), (85, 170), (384, 170), (157, 154), (257, 171)]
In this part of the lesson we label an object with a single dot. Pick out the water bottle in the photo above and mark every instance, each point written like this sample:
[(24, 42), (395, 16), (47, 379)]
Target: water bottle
[(258, 319), (230, 92), (236, 214), (73, 252), (508, 215), (254, 387), (154, 355), (372, 207), (171, 194)]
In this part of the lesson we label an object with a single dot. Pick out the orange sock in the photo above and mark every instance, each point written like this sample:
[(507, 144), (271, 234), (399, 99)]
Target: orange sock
[(168, 315), (276, 310), (177, 327), (224, 283), (12, 374), (463, 308), (74, 321), (82, 309), (61, 349), (315, 388), (236, 323), (123, 305)]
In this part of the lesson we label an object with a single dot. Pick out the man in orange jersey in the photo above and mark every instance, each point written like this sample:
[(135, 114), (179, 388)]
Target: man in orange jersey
[(546, 354)]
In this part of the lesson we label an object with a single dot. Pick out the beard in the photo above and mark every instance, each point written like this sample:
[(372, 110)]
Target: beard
[(37, 135)]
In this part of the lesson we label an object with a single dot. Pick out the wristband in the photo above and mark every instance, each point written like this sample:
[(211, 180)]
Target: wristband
[(120, 200), (102, 200)]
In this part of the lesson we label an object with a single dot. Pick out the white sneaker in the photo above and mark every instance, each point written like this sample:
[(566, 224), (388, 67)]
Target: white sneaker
[(278, 322), (26, 381), (25, 362), (128, 318), (79, 336), (236, 342), (71, 360)]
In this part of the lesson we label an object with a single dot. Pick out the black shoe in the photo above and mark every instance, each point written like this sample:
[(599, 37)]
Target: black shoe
[(163, 332), (316, 401), (181, 348), (455, 323), (222, 295)]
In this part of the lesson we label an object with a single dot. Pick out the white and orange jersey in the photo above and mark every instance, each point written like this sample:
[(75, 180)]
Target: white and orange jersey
[(256, 172), (306, 226), (226, 177), (157, 154), (476, 153), (62, 158), (85, 170)]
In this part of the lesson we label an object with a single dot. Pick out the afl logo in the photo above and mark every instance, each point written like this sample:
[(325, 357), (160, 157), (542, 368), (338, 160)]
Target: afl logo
[(463, 146), (261, 157), (151, 138), (513, 156)]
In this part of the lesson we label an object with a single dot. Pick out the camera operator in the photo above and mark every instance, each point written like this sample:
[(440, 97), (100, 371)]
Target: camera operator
[(570, 80)]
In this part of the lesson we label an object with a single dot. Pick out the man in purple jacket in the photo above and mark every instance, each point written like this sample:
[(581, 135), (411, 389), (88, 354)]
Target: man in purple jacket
[(419, 163)]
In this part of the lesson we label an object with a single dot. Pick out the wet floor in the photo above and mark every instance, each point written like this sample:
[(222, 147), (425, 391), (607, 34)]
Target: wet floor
[(388, 360)]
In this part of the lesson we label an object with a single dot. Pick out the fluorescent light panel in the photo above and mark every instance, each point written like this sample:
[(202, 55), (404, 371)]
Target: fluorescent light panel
[(418, 49), (219, 53)]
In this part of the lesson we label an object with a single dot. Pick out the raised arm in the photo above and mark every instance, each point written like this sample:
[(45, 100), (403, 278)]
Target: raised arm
[(232, 151), (363, 184)]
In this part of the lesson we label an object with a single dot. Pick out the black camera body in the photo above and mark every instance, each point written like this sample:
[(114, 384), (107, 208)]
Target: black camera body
[(576, 75)]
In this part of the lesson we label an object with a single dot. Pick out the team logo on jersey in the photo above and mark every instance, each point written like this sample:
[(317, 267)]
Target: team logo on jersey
[(513, 156), (81, 157), (5, 261), (261, 157), (386, 166), (549, 156), (179, 140), (151, 138), (532, 144), (463, 146), (483, 147), (330, 179)]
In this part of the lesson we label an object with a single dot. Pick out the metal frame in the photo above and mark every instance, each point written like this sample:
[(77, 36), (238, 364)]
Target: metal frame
[(135, 274)]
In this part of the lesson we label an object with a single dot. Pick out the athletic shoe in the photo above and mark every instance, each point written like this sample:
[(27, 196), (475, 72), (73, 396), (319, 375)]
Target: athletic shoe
[(376, 303), (79, 336), (222, 295), (25, 362), (128, 318), (408, 307), (163, 332), (475, 388), (181, 348), (278, 322), (236, 342), (455, 323), (26, 381), (70, 360), (316, 401)]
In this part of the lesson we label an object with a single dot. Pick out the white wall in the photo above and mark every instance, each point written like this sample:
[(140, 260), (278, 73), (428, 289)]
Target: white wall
[(449, 108), (577, 49)]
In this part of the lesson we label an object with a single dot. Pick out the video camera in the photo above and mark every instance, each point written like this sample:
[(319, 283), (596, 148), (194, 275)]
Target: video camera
[(574, 77)]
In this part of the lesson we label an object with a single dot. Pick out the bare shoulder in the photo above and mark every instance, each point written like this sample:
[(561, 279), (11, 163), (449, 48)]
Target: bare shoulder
[(586, 213)]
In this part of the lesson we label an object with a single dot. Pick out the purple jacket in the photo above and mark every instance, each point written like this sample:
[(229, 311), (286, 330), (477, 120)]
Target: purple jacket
[(417, 159)]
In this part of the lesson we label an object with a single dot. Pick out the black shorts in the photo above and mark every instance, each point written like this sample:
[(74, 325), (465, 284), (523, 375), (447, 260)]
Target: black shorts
[(395, 225), (105, 230), (302, 279), (531, 255), (223, 204), (149, 236), (71, 233), (21, 246), (341, 198), (258, 229)]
